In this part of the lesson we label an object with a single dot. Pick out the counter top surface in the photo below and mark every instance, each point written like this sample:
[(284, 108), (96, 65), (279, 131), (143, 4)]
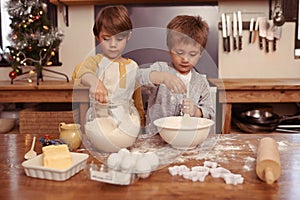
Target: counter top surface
[(256, 84), (236, 152)]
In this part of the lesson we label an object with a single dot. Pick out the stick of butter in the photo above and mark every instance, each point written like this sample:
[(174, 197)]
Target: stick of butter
[(57, 156)]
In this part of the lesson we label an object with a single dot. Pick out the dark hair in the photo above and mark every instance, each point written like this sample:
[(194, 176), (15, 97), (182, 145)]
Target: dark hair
[(185, 28), (113, 19)]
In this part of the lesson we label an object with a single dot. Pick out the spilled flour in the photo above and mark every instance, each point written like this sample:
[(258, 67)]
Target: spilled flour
[(222, 149), (213, 149)]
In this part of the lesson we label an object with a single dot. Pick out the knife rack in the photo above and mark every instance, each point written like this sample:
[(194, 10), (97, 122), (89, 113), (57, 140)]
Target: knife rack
[(246, 25), (247, 15)]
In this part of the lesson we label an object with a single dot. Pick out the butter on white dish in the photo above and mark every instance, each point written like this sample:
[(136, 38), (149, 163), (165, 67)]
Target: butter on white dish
[(57, 156), (35, 168)]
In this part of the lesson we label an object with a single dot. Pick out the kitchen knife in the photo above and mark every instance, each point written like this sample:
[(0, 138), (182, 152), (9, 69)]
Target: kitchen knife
[(277, 36), (240, 28), (262, 31), (229, 28), (251, 29), (270, 34), (256, 30), (224, 31), (234, 35)]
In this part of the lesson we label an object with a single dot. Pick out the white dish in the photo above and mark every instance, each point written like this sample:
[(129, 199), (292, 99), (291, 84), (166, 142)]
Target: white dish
[(34, 168)]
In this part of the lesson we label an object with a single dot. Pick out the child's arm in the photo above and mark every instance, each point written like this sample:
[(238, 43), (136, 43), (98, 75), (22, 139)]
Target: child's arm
[(190, 108), (97, 89), (200, 103), (173, 83), (159, 73), (87, 75)]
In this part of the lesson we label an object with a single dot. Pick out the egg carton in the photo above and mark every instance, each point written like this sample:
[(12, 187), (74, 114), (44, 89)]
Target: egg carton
[(124, 167), (111, 176)]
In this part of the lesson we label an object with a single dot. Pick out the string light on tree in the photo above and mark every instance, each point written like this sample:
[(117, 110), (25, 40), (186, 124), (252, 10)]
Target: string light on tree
[(33, 37)]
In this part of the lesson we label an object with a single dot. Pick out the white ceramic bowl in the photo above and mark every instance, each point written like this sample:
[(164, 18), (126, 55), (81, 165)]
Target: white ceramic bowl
[(183, 133), (7, 124), (14, 114)]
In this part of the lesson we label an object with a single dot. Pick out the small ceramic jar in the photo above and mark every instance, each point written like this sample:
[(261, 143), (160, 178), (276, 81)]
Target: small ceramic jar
[(70, 134)]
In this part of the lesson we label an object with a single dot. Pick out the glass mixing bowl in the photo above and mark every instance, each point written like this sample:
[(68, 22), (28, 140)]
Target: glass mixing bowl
[(112, 126)]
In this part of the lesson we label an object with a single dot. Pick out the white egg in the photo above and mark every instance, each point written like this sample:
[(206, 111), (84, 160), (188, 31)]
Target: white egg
[(114, 161), (136, 155), (123, 152), (143, 167), (128, 163), (153, 159)]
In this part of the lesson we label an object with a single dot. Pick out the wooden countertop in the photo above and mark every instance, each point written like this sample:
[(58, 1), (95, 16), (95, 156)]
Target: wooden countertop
[(234, 152), (46, 91), (256, 84), (43, 85)]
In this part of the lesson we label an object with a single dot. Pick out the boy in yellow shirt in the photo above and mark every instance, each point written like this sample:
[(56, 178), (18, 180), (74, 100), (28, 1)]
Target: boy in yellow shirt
[(110, 76)]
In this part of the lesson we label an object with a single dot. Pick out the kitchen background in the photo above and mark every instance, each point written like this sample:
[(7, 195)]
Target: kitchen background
[(250, 62)]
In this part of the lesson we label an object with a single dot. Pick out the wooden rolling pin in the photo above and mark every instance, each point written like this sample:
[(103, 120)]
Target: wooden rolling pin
[(268, 166)]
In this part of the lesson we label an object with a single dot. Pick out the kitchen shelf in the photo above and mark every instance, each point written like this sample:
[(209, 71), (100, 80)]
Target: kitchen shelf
[(103, 2)]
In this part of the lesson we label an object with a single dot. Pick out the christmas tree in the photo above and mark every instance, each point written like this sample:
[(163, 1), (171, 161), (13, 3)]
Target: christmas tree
[(33, 38)]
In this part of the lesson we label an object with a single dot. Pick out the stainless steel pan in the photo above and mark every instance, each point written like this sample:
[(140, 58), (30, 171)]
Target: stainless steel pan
[(262, 117), (253, 128)]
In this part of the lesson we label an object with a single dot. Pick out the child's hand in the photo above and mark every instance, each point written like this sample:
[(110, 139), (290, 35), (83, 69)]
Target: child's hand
[(172, 82), (99, 92), (188, 107)]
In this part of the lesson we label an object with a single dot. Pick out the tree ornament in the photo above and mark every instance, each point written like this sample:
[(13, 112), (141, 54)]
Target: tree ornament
[(12, 74)]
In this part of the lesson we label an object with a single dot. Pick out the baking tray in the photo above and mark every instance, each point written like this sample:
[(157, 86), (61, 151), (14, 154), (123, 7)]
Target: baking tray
[(34, 168)]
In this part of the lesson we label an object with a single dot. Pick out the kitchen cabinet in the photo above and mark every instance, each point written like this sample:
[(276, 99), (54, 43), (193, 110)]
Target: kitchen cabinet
[(232, 91), (64, 92)]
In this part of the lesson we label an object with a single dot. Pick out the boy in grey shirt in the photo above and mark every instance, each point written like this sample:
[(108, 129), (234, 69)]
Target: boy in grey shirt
[(170, 82)]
